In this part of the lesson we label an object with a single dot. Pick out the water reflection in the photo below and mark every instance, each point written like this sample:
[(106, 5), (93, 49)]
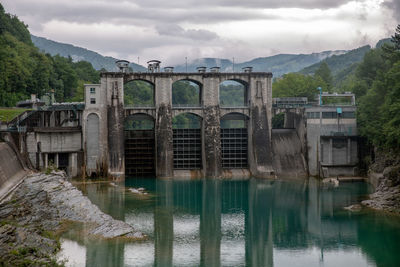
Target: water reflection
[(243, 223)]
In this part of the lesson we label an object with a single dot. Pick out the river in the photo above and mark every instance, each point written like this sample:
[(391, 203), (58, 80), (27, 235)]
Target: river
[(238, 223)]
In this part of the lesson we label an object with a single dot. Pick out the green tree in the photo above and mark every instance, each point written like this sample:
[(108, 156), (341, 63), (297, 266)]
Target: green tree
[(297, 85), (325, 74)]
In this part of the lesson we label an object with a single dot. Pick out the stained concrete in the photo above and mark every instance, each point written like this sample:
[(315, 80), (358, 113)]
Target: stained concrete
[(212, 142)]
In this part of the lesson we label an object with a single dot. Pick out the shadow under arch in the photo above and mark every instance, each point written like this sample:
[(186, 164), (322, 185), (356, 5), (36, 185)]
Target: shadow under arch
[(233, 93), (187, 93), (139, 93), (139, 140), (187, 141), (234, 141)]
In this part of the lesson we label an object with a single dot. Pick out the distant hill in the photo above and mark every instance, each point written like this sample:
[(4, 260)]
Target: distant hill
[(278, 64), (383, 41), (78, 53), (337, 63)]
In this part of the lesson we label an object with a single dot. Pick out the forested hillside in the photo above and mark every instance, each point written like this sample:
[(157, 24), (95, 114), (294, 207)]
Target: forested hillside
[(24, 70), (78, 54), (277, 64)]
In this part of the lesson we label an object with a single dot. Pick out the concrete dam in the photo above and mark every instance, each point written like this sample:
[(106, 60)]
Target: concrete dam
[(209, 147), (113, 134)]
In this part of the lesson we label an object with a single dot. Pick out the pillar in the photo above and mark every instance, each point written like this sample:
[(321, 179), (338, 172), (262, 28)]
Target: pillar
[(260, 156), (115, 120), (212, 129), (163, 128)]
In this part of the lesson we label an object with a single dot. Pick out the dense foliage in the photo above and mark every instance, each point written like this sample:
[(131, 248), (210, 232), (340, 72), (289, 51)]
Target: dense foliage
[(298, 85), (379, 102), (24, 70)]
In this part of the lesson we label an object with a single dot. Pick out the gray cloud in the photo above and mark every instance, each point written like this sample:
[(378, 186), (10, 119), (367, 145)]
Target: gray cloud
[(178, 31), (394, 6), (171, 30)]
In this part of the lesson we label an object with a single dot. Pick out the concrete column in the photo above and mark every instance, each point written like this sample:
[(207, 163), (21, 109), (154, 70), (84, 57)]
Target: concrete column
[(46, 160), (330, 158), (348, 152), (260, 156), (212, 128), (115, 115), (163, 128), (56, 160), (73, 164)]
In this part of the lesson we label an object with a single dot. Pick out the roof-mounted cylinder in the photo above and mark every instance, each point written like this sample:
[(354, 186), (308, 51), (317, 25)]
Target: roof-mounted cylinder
[(122, 65), (153, 66), (214, 69), (169, 69), (201, 69), (247, 69)]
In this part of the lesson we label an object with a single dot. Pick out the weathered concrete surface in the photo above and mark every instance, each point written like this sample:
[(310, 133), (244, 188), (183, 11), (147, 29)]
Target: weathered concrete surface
[(212, 142), (288, 159), (164, 135), (12, 169), (116, 141), (261, 143), (385, 174)]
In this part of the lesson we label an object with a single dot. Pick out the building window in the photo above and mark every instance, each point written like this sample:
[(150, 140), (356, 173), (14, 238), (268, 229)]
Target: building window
[(348, 114), (329, 115), (313, 115), (92, 90), (93, 101)]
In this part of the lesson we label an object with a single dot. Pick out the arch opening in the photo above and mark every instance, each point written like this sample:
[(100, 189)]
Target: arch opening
[(186, 93), (139, 93), (234, 141), (187, 141), (139, 141), (233, 93)]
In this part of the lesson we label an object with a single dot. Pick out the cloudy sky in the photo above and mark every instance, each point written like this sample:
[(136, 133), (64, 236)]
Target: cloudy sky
[(170, 30)]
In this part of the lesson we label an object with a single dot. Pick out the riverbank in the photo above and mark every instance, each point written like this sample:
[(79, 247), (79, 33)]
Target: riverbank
[(34, 215), (384, 175)]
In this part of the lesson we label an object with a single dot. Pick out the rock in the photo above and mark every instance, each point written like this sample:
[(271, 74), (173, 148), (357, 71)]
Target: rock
[(354, 208)]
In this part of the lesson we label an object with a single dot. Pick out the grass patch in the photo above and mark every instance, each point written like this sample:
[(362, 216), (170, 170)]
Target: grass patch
[(8, 114)]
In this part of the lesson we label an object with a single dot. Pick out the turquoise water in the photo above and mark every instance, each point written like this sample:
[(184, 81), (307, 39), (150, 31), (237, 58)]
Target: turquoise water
[(239, 223)]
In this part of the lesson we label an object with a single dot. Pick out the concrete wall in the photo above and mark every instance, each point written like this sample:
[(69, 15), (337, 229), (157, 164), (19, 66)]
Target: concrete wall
[(11, 168), (320, 134)]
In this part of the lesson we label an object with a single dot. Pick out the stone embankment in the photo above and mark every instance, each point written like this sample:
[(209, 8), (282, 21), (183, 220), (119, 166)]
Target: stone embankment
[(32, 217), (384, 175)]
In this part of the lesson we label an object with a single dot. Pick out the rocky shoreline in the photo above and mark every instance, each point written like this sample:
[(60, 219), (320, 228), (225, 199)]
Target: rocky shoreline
[(384, 174), (32, 219)]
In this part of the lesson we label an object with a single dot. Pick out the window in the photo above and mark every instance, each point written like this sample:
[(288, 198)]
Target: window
[(329, 115), (313, 115), (92, 90), (348, 114), (93, 101)]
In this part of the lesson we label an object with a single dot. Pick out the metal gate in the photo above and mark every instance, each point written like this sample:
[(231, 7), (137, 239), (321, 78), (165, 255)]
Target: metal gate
[(187, 149), (139, 153), (234, 148)]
